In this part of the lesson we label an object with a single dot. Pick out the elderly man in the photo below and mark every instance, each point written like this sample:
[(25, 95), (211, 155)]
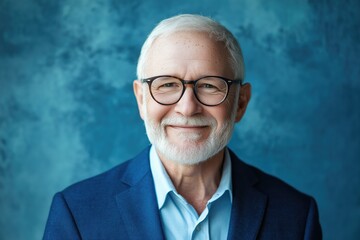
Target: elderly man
[(187, 184)]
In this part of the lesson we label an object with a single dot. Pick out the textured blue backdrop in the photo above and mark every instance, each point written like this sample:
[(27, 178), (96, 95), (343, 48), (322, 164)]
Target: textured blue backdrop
[(67, 110)]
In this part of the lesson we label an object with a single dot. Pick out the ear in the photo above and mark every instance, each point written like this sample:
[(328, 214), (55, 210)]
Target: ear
[(138, 91), (244, 98)]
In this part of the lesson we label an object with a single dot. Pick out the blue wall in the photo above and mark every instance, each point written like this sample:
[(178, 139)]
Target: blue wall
[(67, 110)]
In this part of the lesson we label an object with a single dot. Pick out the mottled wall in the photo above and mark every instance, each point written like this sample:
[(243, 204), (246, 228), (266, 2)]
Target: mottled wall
[(67, 110)]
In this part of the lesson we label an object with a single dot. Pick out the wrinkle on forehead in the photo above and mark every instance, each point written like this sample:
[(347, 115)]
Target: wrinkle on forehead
[(188, 48)]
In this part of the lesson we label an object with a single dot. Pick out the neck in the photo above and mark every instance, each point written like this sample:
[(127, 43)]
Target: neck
[(198, 182)]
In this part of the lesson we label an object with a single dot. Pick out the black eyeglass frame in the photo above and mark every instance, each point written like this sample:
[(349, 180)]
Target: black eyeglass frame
[(229, 82)]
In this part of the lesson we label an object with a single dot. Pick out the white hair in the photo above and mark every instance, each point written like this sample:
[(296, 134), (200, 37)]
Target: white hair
[(190, 22)]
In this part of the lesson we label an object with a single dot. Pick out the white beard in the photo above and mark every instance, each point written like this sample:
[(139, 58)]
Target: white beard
[(193, 151)]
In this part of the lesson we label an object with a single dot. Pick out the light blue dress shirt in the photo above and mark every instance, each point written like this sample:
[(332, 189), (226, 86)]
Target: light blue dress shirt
[(179, 219)]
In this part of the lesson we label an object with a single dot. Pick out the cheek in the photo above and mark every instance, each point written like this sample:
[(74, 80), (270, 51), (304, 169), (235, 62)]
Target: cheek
[(222, 114), (154, 111), (216, 114), (231, 105)]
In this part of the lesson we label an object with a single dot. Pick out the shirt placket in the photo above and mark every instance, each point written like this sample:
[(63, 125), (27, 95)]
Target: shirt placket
[(201, 227)]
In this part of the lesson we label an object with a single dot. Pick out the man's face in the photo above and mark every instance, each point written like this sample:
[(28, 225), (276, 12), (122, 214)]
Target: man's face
[(189, 132)]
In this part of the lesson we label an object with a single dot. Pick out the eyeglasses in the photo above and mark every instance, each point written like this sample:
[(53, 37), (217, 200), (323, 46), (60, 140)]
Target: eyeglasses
[(208, 90)]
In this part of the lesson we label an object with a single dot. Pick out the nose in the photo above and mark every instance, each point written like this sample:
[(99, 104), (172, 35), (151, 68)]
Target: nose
[(188, 105)]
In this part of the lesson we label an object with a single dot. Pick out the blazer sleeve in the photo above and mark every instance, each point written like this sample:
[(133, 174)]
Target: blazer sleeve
[(60, 223), (313, 228)]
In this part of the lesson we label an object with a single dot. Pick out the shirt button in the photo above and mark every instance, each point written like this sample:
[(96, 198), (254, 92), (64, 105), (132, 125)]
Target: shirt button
[(198, 228)]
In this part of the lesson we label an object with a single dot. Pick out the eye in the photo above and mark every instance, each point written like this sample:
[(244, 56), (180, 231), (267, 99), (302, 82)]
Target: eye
[(207, 85), (169, 85), (166, 84)]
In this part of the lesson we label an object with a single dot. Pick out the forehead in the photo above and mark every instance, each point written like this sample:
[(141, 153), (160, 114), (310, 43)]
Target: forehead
[(188, 50)]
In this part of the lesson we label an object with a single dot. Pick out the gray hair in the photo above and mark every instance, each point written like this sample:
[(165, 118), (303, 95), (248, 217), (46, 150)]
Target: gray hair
[(190, 22)]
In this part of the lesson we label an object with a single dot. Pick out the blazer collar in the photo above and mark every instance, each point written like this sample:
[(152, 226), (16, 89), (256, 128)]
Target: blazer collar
[(139, 210), (249, 204), (137, 204)]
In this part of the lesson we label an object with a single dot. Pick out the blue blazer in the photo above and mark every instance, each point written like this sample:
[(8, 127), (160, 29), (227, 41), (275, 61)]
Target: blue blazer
[(121, 204)]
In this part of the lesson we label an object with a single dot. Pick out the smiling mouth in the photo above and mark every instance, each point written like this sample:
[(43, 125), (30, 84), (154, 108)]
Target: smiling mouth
[(187, 127)]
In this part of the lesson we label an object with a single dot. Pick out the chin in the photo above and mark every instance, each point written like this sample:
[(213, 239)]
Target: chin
[(189, 148), (188, 154)]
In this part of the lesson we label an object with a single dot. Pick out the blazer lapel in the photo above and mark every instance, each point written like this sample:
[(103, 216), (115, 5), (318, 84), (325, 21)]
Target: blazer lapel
[(137, 205), (248, 205)]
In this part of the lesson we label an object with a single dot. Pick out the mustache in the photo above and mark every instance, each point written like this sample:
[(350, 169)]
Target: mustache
[(189, 121)]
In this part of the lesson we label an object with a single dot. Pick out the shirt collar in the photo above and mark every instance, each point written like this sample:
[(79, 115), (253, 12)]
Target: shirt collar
[(163, 184)]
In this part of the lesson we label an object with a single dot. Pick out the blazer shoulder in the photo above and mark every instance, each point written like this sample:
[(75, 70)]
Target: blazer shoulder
[(288, 212), (110, 182), (98, 207), (272, 186)]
